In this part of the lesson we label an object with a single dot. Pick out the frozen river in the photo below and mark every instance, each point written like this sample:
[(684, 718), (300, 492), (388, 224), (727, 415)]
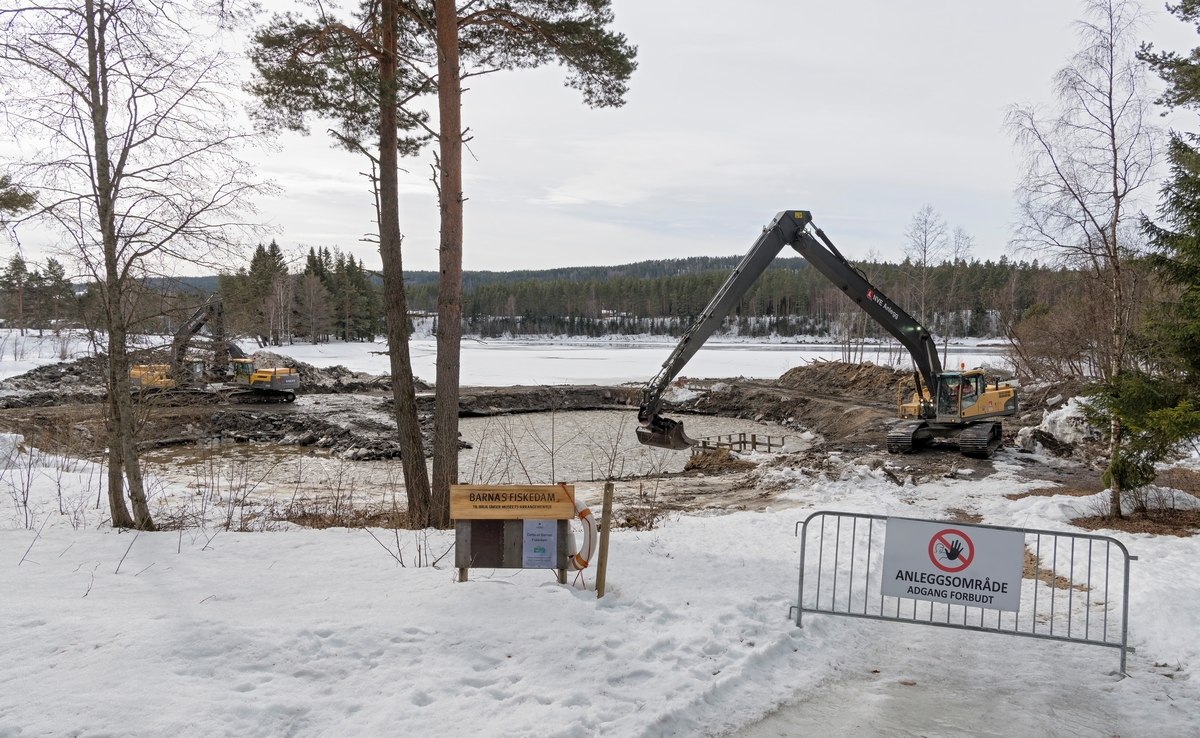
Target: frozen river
[(521, 362)]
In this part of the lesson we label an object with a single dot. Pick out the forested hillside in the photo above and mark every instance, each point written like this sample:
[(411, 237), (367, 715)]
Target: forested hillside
[(967, 298), (335, 297)]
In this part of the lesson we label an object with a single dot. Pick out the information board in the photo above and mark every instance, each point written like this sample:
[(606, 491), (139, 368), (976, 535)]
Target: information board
[(540, 544)]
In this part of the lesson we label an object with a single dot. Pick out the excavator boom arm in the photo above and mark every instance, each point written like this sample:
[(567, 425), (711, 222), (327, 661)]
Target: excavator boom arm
[(789, 228), (211, 313), (827, 260), (774, 237)]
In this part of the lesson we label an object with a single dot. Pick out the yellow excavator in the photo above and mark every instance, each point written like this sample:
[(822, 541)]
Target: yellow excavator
[(275, 384), (957, 405)]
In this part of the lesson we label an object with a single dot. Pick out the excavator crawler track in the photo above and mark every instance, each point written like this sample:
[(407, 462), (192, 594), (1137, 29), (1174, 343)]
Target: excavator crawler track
[(979, 440), (906, 437)]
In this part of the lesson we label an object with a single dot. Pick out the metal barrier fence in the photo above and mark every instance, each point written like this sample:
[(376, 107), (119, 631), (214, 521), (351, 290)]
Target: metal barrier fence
[(1070, 589), (740, 442)]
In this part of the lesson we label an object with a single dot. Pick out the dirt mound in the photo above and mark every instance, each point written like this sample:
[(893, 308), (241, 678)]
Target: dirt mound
[(62, 383), (717, 460), (865, 380)]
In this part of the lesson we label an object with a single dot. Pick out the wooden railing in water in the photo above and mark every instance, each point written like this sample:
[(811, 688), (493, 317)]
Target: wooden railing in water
[(739, 442)]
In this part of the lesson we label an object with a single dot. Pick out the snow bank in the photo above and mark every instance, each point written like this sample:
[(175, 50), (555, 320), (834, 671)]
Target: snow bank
[(1067, 423), (10, 445), (309, 633), (20, 353)]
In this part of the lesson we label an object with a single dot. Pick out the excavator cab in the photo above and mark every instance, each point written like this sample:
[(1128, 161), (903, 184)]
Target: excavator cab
[(966, 396), (950, 387), (241, 370)]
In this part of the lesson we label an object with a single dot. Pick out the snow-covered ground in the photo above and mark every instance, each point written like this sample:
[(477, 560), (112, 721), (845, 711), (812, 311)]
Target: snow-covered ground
[(20, 353), (307, 633), (618, 359)]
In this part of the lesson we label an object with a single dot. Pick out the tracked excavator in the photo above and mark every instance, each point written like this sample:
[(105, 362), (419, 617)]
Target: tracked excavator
[(957, 405), (230, 364)]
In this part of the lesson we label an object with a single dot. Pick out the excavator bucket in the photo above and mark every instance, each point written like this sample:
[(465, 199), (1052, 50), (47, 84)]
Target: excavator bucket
[(664, 433)]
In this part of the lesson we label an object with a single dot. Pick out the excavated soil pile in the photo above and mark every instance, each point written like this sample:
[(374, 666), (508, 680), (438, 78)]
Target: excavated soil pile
[(329, 380), (717, 461), (63, 383), (845, 403), (862, 381)]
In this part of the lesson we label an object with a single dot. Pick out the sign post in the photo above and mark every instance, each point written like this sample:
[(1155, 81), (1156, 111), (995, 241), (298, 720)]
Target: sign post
[(511, 526), (605, 521), (954, 564)]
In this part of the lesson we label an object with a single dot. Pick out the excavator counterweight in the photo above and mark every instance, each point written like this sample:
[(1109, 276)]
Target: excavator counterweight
[(958, 405)]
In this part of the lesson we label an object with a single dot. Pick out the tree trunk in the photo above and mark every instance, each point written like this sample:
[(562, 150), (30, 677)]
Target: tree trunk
[(445, 414), (118, 510), (404, 396), (122, 447), (118, 360), (1114, 500)]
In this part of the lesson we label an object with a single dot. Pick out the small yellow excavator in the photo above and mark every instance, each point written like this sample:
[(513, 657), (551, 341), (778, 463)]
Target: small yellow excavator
[(945, 404), (277, 384)]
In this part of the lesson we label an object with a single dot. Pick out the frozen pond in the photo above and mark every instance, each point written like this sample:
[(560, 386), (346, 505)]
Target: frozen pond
[(544, 448), (533, 448)]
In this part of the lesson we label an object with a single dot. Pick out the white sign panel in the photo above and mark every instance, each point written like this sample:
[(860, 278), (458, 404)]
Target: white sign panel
[(953, 563), (541, 544)]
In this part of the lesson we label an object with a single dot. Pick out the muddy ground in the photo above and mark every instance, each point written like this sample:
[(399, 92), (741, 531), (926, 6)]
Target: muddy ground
[(843, 410)]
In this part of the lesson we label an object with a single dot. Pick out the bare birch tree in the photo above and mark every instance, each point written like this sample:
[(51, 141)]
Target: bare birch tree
[(1089, 160), (122, 109), (925, 248)]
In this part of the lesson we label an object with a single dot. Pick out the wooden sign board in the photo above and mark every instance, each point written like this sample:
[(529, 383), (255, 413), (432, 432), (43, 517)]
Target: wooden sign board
[(512, 501)]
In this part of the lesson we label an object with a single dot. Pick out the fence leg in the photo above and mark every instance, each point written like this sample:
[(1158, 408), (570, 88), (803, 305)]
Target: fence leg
[(462, 574), (800, 593)]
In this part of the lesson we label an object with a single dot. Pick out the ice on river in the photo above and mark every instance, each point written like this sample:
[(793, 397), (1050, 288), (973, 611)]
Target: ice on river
[(510, 362)]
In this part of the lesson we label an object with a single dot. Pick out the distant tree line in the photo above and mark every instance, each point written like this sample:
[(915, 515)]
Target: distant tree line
[(34, 298), (335, 297), (963, 298)]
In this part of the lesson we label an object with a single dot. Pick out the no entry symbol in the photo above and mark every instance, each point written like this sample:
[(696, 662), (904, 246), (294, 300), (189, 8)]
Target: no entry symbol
[(951, 550)]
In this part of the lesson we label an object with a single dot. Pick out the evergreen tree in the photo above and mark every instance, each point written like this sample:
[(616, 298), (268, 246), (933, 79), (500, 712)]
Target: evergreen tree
[(13, 199), (15, 282)]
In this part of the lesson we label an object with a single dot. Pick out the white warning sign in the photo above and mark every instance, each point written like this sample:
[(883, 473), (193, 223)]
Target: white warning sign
[(957, 564)]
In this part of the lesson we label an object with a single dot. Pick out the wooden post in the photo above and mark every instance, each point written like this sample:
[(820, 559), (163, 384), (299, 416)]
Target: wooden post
[(753, 441), (462, 574), (605, 518)]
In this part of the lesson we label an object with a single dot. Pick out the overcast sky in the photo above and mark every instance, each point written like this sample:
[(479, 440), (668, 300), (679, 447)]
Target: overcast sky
[(860, 112)]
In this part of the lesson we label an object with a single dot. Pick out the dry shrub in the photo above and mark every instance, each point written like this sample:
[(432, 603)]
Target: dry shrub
[(1182, 523), (1052, 492), (319, 515), (1184, 480), (716, 461)]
